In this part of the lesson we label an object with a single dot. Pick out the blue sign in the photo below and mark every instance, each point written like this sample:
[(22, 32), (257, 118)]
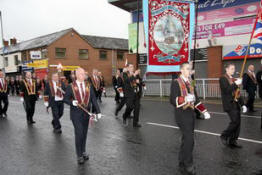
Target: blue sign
[(205, 5), (134, 16)]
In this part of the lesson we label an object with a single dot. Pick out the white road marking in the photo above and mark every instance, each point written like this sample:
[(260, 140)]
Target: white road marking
[(242, 115), (203, 132)]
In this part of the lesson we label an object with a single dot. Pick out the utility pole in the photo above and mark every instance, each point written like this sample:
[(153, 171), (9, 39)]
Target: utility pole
[(137, 38), (2, 31)]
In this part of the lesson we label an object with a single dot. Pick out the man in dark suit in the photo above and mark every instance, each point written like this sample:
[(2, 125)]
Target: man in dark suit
[(80, 95), (232, 104), (3, 95), (259, 82), (114, 82), (53, 97), (250, 85), (29, 95), (121, 91), (184, 99), (131, 91), (94, 81)]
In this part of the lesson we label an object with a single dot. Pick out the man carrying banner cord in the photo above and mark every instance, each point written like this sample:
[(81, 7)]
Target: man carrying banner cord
[(184, 99), (80, 95), (95, 83), (53, 97), (250, 85), (29, 95), (3, 95), (121, 91), (132, 96), (232, 104)]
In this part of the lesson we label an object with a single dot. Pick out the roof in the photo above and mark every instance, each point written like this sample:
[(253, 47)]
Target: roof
[(106, 42), (36, 42), (128, 5)]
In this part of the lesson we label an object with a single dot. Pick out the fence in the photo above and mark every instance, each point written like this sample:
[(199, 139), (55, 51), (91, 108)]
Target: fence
[(206, 88)]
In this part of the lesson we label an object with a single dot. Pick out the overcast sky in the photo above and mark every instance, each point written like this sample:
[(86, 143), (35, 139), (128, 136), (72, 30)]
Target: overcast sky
[(26, 19)]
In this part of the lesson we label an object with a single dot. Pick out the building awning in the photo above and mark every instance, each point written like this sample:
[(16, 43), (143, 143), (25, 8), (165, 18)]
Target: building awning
[(128, 5)]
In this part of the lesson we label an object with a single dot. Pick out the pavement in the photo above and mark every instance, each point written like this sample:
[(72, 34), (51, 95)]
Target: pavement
[(118, 150)]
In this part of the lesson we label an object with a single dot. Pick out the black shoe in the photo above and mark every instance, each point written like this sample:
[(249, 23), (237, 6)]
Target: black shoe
[(32, 122), (190, 170), (85, 156), (137, 125), (234, 144), (1, 116), (4, 115), (58, 131), (80, 160), (124, 122), (116, 112), (224, 140)]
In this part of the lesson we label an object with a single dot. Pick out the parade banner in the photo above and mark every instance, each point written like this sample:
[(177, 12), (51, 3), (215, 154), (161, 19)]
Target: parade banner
[(70, 68), (38, 64), (169, 27)]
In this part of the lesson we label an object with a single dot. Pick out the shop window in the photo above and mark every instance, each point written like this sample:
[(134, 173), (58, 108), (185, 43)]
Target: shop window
[(102, 54), (83, 53), (120, 55), (60, 52), (6, 62), (17, 61)]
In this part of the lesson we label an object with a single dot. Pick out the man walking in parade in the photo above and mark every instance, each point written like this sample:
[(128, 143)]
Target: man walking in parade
[(53, 97), (29, 94), (250, 85), (232, 104), (114, 83), (95, 83), (3, 95), (184, 99), (80, 95)]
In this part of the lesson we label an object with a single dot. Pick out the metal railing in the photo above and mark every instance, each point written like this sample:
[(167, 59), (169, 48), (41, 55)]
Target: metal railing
[(206, 88)]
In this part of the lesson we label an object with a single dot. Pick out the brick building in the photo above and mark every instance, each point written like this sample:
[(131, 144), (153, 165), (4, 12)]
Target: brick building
[(69, 48)]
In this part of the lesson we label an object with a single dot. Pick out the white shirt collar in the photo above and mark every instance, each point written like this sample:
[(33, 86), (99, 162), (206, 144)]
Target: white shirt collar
[(184, 78)]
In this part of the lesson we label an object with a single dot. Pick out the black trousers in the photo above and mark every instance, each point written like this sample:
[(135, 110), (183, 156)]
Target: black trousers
[(121, 104), (132, 103), (185, 120), (233, 129), (29, 105), (251, 99), (80, 122), (117, 96), (4, 100), (93, 109), (100, 94), (57, 111)]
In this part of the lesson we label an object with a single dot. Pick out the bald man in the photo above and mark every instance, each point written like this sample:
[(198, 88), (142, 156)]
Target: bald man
[(79, 94), (250, 85)]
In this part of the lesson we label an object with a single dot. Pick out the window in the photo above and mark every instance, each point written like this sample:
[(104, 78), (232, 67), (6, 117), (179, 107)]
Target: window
[(60, 52), (24, 56), (17, 61), (6, 62), (120, 55), (44, 53), (83, 53), (102, 54)]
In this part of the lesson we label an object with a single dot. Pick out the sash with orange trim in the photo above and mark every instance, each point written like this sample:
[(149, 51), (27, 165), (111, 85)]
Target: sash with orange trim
[(95, 83), (58, 93), (3, 87), (30, 88), (76, 91)]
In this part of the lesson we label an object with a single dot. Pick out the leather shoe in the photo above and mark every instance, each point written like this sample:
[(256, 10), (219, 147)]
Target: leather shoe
[(85, 156), (80, 160), (137, 125), (124, 122), (116, 113), (57, 131), (224, 140), (32, 122), (234, 144)]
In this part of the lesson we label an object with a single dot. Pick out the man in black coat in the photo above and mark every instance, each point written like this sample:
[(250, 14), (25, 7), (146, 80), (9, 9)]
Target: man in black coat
[(250, 85), (29, 94), (259, 82), (121, 91), (80, 95), (232, 104), (3, 95), (184, 99), (53, 97)]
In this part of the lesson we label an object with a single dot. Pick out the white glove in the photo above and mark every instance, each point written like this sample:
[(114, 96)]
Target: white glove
[(40, 97), (244, 109), (207, 115), (121, 94), (190, 98), (238, 81), (22, 99), (75, 102), (46, 104), (145, 88), (99, 115)]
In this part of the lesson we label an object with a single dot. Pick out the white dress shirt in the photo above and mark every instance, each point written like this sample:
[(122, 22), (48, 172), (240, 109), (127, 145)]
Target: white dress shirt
[(55, 89)]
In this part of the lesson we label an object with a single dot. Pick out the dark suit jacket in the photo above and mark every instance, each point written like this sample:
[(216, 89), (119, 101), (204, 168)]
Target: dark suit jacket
[(259, 82), (227, 94), (114, 82), (23, 90), (248, 84), (76, 111), (129, 89), (48, 92)]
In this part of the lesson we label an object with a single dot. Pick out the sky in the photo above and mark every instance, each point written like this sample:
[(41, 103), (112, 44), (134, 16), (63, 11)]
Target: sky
[(26, 19)]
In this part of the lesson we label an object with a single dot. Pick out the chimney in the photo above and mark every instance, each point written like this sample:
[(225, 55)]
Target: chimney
[(6, 43), (14, 41)]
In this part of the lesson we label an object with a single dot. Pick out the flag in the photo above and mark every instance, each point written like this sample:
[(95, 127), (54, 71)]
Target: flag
[(257, 35), (169, 28)]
